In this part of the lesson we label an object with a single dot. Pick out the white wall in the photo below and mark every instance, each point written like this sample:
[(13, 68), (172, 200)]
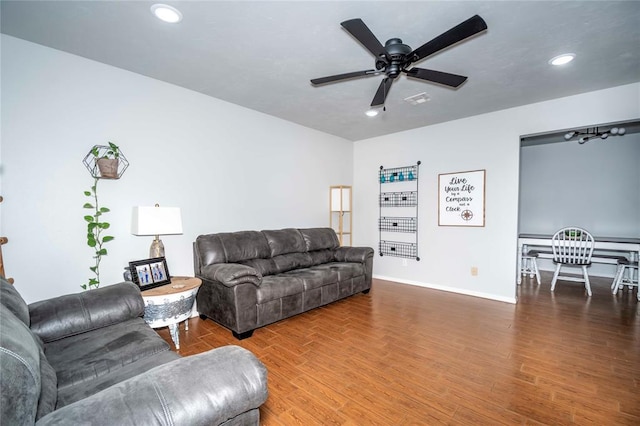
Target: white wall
[(595, 186), (230, 168), (227, 167), (490, 142)]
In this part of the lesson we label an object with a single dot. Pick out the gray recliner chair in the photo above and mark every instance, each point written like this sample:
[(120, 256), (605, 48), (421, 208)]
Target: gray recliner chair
[(89, 358)]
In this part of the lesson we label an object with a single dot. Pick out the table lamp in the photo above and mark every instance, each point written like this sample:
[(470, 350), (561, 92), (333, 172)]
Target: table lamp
[(156, 221)]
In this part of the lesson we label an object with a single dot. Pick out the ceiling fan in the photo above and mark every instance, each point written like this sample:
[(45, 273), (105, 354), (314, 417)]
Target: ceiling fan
[(395, 57)]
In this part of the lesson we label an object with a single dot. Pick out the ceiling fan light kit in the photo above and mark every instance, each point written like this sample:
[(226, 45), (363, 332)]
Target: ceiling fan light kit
[(594, 133), (395, 57)]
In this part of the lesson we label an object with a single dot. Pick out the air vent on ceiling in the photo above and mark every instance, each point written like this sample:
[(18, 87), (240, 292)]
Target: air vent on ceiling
[(420, 98)]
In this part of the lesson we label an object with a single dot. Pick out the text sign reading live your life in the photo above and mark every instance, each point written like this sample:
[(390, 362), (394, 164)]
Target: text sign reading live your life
[(461, 198)]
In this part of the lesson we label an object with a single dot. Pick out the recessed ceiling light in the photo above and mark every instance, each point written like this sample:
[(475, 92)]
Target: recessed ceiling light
[(565, 58), (372, 112), (166, 13)]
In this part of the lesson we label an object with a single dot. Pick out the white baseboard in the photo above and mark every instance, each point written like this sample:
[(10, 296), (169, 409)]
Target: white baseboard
[(450, 289)]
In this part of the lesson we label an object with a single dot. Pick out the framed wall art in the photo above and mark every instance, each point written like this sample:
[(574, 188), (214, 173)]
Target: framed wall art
[(150, 273), (461, 198)]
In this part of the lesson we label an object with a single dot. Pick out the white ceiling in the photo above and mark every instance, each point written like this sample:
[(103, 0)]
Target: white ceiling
[(262, 54)]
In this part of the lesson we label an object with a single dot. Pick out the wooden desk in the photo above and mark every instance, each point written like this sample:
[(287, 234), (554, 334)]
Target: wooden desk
[(631, 245), (171, 304)]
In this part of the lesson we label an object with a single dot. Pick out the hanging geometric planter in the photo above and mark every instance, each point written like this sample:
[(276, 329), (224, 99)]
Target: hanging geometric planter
[(101, 164)]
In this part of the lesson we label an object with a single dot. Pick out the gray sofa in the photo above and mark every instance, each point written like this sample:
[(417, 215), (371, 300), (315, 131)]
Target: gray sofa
[(251, 279), (90, 359)]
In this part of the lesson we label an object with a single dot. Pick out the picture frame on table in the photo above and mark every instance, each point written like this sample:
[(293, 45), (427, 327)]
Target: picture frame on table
[(150, 273)]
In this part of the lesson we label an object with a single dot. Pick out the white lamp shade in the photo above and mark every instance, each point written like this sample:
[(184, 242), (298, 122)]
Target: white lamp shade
[(156, 221), (338, 204)]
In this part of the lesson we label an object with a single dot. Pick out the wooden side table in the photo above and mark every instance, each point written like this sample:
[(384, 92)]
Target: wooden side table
[(171, 304)]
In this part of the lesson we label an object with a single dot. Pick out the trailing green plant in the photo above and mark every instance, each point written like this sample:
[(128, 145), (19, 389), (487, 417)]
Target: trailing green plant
[(96, 225), (103, 163), (112, 152), (95, 238)]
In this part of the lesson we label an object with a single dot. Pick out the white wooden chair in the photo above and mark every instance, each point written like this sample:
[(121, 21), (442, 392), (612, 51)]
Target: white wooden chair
[(572, 247), (530, 265), (627, 274)]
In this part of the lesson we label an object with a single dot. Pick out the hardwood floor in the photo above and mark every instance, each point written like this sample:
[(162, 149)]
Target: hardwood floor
[(406, 355)]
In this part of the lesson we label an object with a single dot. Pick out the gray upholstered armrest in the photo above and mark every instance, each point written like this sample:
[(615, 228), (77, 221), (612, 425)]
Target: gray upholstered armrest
[(204, 389), (231, 274), (353, 254), (71, 314)]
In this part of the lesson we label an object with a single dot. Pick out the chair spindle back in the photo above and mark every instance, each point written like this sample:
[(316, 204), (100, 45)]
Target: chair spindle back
[(572, 246)]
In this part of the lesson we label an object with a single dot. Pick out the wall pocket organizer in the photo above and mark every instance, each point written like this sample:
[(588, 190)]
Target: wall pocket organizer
[(398, 223)]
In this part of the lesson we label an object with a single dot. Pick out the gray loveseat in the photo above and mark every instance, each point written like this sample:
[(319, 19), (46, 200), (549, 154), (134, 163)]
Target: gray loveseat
[(251, 279), (90, 359)]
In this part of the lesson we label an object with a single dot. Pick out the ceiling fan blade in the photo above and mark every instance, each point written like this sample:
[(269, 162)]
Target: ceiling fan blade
[(363, 34), (344, 76), (453, 80), (383, 91), (466, 29)]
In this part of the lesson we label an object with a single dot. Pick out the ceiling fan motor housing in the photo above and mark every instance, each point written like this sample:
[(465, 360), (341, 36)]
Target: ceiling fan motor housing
[(396, 49), (397, 52)]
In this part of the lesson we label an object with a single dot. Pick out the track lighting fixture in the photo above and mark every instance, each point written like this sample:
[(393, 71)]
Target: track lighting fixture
[(595, 132)]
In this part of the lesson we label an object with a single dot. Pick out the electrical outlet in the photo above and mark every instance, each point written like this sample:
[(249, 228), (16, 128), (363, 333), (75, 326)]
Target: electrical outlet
[(404, 262), (474, 271)]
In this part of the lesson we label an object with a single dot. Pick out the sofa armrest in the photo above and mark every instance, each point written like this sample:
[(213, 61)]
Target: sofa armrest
[(72, 314), (231, 274), (353, 254), (205, 389)]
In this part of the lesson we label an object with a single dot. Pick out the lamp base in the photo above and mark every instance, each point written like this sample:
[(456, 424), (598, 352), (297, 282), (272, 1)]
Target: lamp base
[(157, 248)]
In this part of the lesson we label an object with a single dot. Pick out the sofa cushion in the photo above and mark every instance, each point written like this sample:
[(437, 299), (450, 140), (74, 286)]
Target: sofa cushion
[(70, 314), (231, 274), (262, 266), (285, 241), (12, 306), (287, 262), (320, 238), (90, 355), (345, 271), (211, 388), (314, 278), (85, 389), (209, 250), (319, 257), (244, 245), (19, 371), (48, 388), (11, 299), (276, 287)]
